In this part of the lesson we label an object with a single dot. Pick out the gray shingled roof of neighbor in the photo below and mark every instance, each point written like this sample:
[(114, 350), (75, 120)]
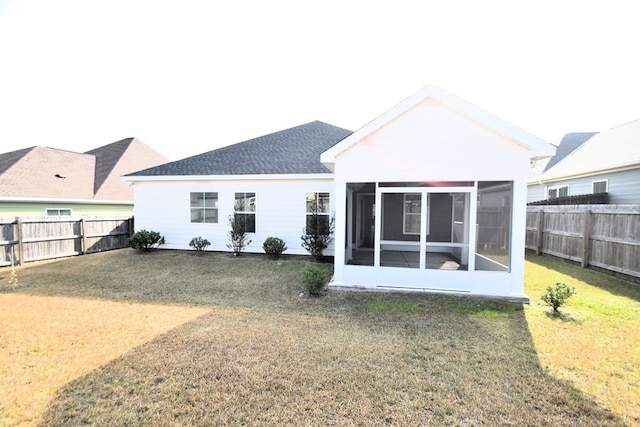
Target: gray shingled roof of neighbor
[(568, 144), (292, 151)]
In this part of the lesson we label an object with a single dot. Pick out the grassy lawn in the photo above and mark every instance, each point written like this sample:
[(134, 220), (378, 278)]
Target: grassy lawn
[(179, 338)]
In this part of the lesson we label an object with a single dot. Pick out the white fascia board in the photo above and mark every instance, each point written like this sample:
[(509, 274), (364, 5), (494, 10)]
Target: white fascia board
[(259, 177), (63, 200), (557, 177)]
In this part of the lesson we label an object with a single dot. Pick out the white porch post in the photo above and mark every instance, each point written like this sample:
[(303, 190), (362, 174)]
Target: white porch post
[(518, 227), (340, 199)]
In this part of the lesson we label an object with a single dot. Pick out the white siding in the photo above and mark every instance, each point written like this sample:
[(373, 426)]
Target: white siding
[(280, 211), (431, 142)]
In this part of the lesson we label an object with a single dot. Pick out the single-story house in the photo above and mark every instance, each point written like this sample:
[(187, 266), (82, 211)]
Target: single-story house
[(429, 196), (606, 163), (42, 181)]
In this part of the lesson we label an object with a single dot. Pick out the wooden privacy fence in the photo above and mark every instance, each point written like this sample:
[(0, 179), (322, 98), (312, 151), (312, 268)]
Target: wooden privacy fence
[(604, 236), (35, 239)]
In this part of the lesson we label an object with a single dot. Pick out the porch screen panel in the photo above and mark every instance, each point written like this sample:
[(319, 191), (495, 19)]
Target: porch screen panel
[(493, 241), (400, 245)]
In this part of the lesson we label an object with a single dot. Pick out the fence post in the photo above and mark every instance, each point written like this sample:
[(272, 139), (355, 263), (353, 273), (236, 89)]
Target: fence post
[(20, 245), (83, 233), (586, 234), (539, 232)]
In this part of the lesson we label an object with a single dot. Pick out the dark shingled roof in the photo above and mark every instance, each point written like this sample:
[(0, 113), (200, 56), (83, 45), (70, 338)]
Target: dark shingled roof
[(568, 144), (292, 151)]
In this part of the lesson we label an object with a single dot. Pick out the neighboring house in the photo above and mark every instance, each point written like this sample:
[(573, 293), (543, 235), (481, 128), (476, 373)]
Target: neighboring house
[(42, 181), (430, 196), (607, 164)]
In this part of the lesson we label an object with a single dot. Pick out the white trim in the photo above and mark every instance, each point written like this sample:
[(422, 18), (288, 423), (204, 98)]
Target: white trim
[(46, 211), (259, 177), (558, 188), (542, 180), (606, 185)]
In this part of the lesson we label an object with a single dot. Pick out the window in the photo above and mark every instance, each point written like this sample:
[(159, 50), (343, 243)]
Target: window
[(58, 212), (600, 186), (555, 192), (318, 211), (412, 212), (245, 208), (204, 207)]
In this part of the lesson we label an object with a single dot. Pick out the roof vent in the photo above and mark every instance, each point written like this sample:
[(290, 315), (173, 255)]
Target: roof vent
[(59, 175)]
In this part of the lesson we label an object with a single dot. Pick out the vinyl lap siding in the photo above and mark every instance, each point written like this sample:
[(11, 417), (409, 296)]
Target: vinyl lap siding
[(624, 187), (280, 211)]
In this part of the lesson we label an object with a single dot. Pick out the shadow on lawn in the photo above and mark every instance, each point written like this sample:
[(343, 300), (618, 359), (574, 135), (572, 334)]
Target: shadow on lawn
[(243, 367), (603, 280), (266, 356)]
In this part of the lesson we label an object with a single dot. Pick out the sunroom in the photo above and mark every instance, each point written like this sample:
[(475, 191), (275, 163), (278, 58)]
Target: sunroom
[(431, 197), (411, 232)]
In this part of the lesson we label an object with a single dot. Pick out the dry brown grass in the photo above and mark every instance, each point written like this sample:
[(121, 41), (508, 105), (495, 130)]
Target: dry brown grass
[(244, 348)]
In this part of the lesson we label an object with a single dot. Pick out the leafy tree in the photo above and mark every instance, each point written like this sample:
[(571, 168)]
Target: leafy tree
[(318, 233), (238, 239)]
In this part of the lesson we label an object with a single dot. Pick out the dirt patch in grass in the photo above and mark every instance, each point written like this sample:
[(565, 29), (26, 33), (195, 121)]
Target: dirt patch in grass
[(252, 351)]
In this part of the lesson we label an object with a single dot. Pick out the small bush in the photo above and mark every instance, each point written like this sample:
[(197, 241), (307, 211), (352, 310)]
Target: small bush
[(145, 240), (274, 247), (238, 239), (199, 243), (314, 278), (556, 296)]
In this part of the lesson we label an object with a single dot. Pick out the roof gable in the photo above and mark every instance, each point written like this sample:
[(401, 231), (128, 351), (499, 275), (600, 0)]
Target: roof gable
[(120, 158), (616, 148), (568, 143), (292, 151), (537, 147)]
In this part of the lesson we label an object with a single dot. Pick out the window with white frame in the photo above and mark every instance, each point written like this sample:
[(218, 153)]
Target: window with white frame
[(204, 207), (601, 186), (557, 191), (58, 212), (245, 208), (412, 213), (318, 211)]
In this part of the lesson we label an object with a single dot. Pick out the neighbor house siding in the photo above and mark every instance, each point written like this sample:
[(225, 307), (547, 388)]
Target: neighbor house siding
[(17, 209), (280, 211), (623, 187)]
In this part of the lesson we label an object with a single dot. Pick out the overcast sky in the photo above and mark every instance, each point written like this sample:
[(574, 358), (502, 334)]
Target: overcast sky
[(187, 77)]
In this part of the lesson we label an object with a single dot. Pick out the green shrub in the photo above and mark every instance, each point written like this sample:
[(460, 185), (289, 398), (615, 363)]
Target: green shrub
[(238, 239), (274, 247), (314, 278), (199, 243), (556, 296), (317, 234), (145, 240)]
